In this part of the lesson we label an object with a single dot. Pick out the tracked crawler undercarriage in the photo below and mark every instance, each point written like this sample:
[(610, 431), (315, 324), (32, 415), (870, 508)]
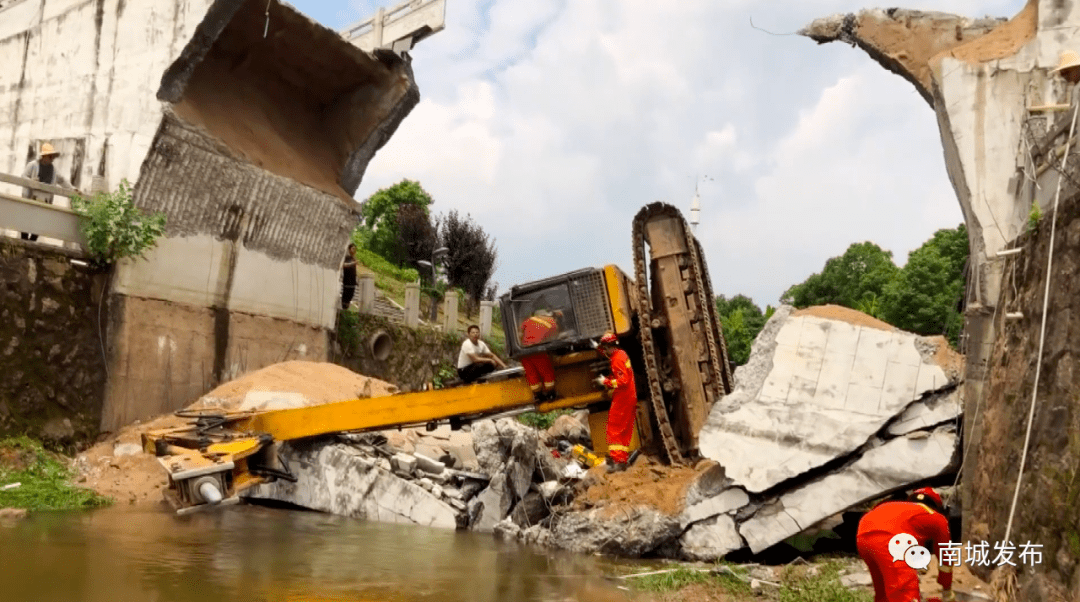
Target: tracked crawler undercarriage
[(683, 347)]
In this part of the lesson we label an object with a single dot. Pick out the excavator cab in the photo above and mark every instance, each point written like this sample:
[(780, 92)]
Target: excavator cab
[(585, 304)]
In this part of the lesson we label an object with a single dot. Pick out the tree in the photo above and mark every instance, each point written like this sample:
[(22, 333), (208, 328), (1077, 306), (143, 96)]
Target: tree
[(382, 213), (858, 277), (470, 261), (742, 320), (924, 297), (417, 238)]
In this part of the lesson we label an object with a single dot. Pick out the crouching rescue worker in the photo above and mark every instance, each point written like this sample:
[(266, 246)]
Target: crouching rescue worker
[(623, 412), (539, 371), (922, 517)]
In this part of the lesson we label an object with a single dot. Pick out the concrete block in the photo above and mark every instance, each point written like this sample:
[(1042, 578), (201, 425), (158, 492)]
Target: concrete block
[(726, 501), (813, 336), (404, 463), (899, 388), (427, 464), (711, 540)]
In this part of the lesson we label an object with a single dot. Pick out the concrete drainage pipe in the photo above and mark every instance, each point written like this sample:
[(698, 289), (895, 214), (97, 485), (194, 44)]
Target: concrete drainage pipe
[(380, 345)]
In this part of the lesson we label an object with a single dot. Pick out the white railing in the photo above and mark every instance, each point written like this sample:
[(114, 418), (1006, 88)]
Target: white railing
[(399, 27), (27, 215)]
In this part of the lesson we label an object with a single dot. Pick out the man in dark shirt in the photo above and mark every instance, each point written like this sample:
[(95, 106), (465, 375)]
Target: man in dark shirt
[(348, 278)]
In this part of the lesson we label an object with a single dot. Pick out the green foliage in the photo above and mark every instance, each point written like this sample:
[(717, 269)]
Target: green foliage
[(45, 479), (863, 271), (444, 373), (541, 421), (114, 228), (820, 583), (923, 298), (380, 230), (678, 579), (471, 260), (1034, 216), (741, 320), (378, 264), (348, 331)]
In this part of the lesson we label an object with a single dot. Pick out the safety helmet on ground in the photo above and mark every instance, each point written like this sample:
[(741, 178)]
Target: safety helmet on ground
[(609, 338), (927, 495)]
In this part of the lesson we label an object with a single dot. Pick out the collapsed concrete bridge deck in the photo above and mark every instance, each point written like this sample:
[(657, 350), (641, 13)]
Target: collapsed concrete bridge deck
[(249, 126)]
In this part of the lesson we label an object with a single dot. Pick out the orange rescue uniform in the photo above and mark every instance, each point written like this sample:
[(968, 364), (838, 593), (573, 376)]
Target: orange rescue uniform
[(538, 367), (620, 422), (896, 581)]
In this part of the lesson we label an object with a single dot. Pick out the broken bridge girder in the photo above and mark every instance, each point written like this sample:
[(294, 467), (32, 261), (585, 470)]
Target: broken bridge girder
[(400, 27)]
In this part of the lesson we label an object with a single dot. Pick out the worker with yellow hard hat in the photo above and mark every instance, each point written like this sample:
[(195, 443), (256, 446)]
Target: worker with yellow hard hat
[(43, 170)]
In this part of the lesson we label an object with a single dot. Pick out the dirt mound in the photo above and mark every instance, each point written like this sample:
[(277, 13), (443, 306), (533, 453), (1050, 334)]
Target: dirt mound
[(118, 468), (646, 483), (843, 314), (293, 384)]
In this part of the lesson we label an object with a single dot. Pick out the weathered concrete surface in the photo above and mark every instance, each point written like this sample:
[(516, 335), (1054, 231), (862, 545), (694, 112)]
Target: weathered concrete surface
[(828, 387), (711, 539), (338, 479), (889, 466), (52, 371), (162, 355), (1003, 152)]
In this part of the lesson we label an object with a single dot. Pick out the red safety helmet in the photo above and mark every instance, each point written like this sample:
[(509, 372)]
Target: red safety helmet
[(928, 495), (609, 338)]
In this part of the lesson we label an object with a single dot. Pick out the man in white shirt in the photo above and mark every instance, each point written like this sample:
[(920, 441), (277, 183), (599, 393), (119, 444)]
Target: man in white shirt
[(475, 358)]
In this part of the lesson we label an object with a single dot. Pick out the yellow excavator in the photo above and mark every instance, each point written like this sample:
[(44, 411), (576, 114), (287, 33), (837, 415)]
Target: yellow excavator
[(665, 319)]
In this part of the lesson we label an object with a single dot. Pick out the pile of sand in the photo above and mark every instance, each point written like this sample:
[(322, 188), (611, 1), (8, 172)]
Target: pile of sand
[(118, 468), (646, 483), (843, 314)]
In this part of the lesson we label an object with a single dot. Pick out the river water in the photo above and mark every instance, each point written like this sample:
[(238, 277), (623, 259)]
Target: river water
[(253, 553)]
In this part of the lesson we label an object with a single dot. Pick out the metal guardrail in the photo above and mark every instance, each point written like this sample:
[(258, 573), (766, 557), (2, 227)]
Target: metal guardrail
[(27, 215), (399, 27)]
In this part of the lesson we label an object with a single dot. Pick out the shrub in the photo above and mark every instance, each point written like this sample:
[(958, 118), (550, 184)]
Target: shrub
[(114, 228), (44, 479)]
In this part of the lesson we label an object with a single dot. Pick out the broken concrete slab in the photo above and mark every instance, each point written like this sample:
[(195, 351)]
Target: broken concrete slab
[(727, 501), (887, 467), (928, 413), (821, 382), (403, 463), (491, 505), (335, 478), (710, 539)]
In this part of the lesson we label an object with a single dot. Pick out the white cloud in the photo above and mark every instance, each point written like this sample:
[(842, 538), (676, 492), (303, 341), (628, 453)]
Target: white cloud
[(553, 123)]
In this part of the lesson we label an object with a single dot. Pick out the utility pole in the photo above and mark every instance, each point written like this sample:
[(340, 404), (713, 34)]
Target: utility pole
[(695, 210)]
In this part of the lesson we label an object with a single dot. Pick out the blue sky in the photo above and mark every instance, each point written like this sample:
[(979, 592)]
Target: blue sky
[(552, 122)]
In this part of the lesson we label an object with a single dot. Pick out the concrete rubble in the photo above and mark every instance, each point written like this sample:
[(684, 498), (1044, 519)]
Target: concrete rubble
[(833, 410)]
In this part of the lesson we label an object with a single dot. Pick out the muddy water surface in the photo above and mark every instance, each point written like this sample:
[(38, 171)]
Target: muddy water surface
[(252, 553)]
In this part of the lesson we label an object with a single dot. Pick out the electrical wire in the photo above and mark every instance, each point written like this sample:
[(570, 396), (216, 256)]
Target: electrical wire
[(1042, 330)]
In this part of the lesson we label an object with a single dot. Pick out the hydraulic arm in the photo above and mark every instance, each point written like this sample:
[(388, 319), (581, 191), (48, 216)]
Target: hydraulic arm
[(218, 454)]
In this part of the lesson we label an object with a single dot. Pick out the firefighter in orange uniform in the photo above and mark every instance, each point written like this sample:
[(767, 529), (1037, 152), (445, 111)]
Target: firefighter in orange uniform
[(922, 516), (621, 416), (541, 327)]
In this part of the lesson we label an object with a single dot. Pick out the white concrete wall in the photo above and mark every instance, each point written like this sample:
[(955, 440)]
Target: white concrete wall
[(985, 105), (80, 81), (291, 290)]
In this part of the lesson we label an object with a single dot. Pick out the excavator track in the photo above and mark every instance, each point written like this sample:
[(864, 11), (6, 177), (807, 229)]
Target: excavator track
[(709, 357)]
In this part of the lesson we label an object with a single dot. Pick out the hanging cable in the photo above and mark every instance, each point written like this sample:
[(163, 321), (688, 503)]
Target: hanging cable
[(1042, 330)]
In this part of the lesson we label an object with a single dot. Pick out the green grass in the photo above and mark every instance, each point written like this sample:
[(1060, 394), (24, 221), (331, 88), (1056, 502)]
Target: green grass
[(817, 583), (541, 421), (680, 578), (45, 479)]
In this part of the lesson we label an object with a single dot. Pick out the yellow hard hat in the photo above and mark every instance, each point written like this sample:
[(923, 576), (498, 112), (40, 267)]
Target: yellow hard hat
[(1068, 60), (47, 149)]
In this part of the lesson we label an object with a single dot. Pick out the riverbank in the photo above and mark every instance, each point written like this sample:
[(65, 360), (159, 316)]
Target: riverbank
[(35, 479)]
